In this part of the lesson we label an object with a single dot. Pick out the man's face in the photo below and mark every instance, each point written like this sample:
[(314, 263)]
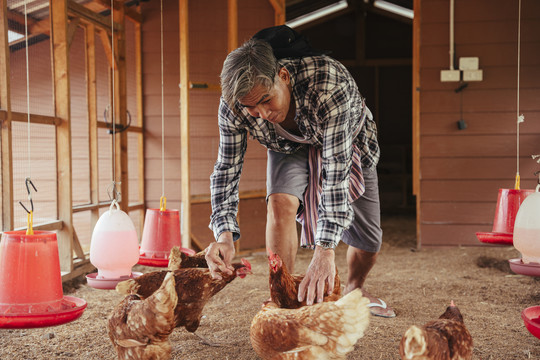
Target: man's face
[(272, 105)]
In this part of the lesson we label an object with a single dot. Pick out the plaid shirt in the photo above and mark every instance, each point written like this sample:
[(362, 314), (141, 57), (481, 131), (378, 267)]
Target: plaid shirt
[(329, 109)]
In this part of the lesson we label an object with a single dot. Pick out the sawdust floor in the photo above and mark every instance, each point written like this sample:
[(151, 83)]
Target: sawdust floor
[(418, 284)]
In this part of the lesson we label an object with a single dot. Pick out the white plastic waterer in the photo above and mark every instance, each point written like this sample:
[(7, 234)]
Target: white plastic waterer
[(527, 228), (114, 248)]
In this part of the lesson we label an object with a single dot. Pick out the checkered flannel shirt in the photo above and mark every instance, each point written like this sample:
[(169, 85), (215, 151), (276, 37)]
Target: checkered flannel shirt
[(329, 108)]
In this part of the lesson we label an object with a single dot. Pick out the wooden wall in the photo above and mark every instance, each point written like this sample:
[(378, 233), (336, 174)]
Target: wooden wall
[(208, 49), (462, 170)]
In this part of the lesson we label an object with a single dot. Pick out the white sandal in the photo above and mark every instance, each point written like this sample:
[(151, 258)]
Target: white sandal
[(382, 305)]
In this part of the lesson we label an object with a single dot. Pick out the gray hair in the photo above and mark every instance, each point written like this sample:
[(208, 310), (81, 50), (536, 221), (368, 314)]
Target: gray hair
[(250, 65)]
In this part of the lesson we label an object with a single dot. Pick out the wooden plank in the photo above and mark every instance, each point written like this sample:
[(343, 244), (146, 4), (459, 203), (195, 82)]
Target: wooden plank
[(130, 13), (452, 235), (91, 93), (416, 128), (79, 253), (184, 123), (279, 11), (72, 29), (6, 132), (131, 128), (106, 42), (458, 213), (60, 56), (83, 267), (34, 119)]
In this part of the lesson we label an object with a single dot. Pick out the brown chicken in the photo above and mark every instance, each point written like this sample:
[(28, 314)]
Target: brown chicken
[(181, 260), (327, 330), (139, 329), (446, 338), (284, 285), (194, 287)]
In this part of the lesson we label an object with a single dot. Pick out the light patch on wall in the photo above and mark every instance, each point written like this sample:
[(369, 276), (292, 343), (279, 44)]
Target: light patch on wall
[(13, 36)]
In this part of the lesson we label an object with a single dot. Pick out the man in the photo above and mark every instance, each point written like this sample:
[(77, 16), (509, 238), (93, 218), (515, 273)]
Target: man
[(322, 153)]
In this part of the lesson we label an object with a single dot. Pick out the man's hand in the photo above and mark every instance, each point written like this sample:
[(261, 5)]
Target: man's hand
[(219, 256), (321, 271)]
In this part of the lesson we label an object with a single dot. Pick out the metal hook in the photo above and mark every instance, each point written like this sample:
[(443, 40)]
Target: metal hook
[(28, 181), (538, 174), (113, 192)]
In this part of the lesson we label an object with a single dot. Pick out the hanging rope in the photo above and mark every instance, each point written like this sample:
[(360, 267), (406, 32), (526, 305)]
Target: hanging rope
[(30, 213), (163, 199), (520, 118), (115, 193)]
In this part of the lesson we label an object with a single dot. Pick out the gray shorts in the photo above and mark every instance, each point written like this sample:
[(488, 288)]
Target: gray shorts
[(288, 173)]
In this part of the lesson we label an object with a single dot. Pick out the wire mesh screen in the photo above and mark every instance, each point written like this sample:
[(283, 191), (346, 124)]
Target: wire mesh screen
[(41, 168), (80, 148)]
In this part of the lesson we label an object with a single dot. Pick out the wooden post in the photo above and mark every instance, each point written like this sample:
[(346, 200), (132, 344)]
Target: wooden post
[(279, 11), (140, 119), (416, 114), (6, 134), (60, 64), (91, 93), (184, 124), (120, 91)]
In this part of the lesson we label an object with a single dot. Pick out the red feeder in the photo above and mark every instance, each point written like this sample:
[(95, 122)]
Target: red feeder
[(508, 203), (531, 318), (30, 282), (161, 232)]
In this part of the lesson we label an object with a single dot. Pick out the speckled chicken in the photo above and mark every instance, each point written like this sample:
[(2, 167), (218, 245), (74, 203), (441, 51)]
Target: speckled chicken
[(139, 329), (284, 285), (323, 331), (446, 338), (181, 260), (194, 287)]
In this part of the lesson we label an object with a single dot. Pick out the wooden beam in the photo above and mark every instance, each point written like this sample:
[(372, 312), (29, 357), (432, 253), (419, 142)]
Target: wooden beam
[(131, 128), (120, 91), (232, 25), (129, 12), (34, 119), (72, 29), (416, 114), (91, 99), (48, 226), (81, 267), (79, 252), (86, 14), (184, 125), (6, 133), (106, 42), (279, 11), (60, 62)]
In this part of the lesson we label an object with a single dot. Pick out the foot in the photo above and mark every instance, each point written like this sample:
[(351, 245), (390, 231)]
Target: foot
[(377, 306)]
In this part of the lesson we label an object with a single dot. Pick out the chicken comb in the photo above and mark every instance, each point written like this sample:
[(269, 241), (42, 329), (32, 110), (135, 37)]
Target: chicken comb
[(246, 263)]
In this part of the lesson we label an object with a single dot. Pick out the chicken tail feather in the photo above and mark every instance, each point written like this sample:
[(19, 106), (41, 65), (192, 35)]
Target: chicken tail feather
[(414, 343)]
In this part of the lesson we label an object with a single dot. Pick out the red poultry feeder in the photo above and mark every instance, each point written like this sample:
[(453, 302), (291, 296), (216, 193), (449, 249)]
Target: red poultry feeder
[(160, 234), (30, 282), (531, 318), (508, 203)]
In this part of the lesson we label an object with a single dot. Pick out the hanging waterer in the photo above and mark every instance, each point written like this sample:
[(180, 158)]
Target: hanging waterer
[(114, 249)]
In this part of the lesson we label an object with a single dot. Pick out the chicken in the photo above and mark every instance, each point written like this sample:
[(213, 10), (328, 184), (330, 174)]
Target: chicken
[(140, 329), (446, 338), (327, 330), (194, 287), (284, 286), (180, 260)]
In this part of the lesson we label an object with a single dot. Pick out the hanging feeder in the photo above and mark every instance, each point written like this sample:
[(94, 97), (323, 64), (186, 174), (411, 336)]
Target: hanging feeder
[(30, 282), (527, 236), (114, 249), (508, 204), (160, 234)]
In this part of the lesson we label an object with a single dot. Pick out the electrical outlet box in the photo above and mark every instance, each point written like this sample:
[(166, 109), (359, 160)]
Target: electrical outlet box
[(450, 75), (468, 63), (472, 75)]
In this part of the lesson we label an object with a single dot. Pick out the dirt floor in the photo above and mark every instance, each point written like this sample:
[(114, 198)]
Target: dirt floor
[(418, 284)]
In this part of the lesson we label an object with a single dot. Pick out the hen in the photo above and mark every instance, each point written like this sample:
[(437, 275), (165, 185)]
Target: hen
[(180, 260), (446, 338), (194, 287), (284, 285), (327, 330), (140, 329)]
